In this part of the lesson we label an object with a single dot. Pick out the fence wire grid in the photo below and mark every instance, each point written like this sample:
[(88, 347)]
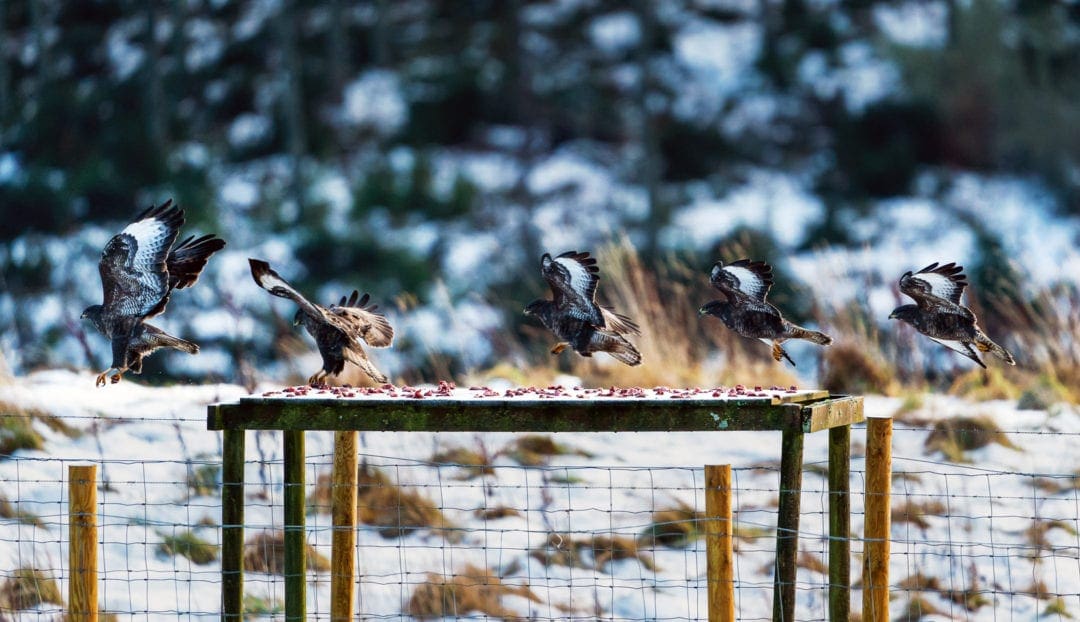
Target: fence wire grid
[(509, 527)]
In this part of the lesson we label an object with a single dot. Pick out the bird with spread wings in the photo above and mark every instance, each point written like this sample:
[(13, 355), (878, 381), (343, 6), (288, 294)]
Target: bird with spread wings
[(573, 313), (338, 330), (938, 313), (745, 284), (140, 267)]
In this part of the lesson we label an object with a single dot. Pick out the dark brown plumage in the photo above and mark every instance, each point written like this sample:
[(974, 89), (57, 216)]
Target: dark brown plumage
[(745, 284), (573, 314), (338, 330), (140, 267), (938, 314)]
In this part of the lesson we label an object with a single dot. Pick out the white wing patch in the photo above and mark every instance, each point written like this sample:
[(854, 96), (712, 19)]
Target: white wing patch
[(579, 275), (749, 282), (940, 285), (957, 346), (152, 239)]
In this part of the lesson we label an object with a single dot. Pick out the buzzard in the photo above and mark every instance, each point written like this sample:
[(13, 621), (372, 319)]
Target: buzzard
[(140, 267), (938, 314), (745, 284), (573, 314), (338, 330)]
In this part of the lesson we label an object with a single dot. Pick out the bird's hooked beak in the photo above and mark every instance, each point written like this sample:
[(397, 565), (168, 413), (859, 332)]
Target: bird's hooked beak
[(893, 315), (709, 308)]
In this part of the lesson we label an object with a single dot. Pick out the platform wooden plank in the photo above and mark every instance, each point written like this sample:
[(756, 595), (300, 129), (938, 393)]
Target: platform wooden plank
[(518, 410)]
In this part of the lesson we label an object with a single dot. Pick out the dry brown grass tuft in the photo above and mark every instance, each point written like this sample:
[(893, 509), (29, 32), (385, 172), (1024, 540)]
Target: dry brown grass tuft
[(985, 384), (394, 510), (265, 552), (1038, 590), (538, 449), (590, 553), (9, 511), (920, 583), (27, 588), (813, 562), (973, 596), (1037, 533), (497, 512), (916, 513), (473, 462), (473, 590), (955, 436), (673, 527), (917, 608), (856, 362), (1044, 335)]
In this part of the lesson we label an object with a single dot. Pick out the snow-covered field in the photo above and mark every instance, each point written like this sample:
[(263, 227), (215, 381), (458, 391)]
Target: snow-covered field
[(1008, 518)]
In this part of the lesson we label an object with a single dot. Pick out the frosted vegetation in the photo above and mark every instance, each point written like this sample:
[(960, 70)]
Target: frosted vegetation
[(429, 152)]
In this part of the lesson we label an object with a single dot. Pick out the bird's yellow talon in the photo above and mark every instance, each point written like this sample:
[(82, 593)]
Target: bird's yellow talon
[(559, 347)]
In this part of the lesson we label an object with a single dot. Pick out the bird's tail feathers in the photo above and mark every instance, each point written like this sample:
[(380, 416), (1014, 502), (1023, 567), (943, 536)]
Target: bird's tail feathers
[(983, 343), (813, 336), (619, 348), (165, 340)]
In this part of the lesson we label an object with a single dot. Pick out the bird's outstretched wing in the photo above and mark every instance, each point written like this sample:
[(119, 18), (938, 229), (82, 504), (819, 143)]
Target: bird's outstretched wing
[(742, 279), (573, 277), (134, 275), (187, 259), (945, 283), (359, 319), (272, 282)]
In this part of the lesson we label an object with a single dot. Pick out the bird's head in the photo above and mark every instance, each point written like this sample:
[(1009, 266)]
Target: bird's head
[(904, 313), (715, 307), (533, 308), (92, 313)]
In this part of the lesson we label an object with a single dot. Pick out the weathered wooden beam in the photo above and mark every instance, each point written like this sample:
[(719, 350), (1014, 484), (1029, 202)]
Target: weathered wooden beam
[(232, 526), (833, 412), (432, 415), (787, 526), (295, 536)]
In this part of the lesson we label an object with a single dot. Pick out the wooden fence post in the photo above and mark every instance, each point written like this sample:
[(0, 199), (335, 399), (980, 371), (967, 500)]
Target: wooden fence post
[(82, 545), (877, 525), (295, 529), (343, 514), (719, 551), (839, 524), (232, 526)]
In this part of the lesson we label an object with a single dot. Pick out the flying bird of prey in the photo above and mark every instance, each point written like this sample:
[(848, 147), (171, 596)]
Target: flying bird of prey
[(745, 284), (573, 314), (140, 267), (938, 314), (338, 330)]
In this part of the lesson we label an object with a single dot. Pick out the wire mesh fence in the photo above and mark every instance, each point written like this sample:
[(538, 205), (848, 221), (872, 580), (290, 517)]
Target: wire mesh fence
[(504, 526)]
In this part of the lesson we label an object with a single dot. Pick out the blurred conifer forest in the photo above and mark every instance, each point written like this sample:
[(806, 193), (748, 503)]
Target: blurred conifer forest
[(429, 151)]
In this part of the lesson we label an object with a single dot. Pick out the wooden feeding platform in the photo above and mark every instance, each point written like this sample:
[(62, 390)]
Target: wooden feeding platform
[(792, 412)]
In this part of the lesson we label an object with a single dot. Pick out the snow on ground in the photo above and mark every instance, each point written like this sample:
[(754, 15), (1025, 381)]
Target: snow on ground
[(149, 441)]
